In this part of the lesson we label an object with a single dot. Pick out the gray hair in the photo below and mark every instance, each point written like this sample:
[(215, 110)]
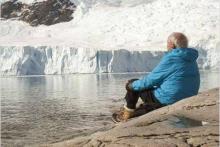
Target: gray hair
[(179, 40)]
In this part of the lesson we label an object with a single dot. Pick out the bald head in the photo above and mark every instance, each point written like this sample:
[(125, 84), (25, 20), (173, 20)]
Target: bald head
[(177, 40)]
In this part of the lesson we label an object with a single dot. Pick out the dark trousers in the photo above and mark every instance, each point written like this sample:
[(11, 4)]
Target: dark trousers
[(146, 96)]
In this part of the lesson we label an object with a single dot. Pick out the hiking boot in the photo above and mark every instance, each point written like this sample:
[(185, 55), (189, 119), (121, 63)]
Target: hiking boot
[(123, 115)]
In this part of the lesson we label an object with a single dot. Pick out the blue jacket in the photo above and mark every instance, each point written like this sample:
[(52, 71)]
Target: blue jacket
[(174, 78)]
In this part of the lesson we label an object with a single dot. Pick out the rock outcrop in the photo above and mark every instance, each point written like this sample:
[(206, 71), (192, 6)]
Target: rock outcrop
[(190, 122), (46, 12)]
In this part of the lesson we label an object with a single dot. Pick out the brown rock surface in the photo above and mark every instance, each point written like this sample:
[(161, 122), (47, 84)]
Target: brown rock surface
[(190, 122)]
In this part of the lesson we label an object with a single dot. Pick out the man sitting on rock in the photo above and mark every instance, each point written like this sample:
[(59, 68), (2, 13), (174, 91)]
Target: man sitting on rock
[(176, 77)]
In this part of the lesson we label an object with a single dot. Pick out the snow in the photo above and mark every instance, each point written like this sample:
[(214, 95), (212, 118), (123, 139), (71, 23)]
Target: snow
[(110, 25), (143, 25)]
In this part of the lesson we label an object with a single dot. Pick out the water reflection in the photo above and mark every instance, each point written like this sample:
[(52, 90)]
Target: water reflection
[(209, 79), (183, 122)]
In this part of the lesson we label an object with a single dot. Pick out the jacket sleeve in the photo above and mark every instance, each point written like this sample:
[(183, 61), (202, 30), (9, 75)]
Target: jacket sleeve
[(156, 77)]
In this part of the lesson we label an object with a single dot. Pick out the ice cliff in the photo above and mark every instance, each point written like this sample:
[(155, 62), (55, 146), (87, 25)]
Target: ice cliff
[(40, 60), (29, 60)]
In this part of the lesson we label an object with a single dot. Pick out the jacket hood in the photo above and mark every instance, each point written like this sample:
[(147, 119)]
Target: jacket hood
[(188, 54)]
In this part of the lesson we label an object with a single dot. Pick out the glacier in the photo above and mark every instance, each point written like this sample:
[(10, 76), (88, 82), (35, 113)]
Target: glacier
[(110, 36), (41, 60)]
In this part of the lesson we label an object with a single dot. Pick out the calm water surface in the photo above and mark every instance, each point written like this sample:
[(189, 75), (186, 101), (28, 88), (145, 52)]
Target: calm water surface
[(46, 109)]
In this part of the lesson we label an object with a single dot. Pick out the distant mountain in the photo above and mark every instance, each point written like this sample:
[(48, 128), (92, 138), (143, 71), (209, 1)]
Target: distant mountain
[(46, 12)]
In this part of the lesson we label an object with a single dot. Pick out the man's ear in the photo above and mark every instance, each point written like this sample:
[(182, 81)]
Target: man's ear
[(173, 46), (170, 45)]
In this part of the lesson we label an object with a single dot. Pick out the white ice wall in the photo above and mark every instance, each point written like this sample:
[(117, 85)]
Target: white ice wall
[(40, 60), (29, 60)]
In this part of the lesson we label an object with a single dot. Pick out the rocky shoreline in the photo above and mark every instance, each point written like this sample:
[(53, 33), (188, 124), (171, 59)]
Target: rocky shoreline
[(190, 122)]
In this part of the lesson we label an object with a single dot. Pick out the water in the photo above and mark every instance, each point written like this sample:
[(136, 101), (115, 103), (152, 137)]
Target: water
[(46, 109), (183, 122)]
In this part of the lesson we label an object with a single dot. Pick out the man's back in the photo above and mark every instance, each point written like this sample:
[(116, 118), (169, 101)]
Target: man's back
[(176, 77), (183, 79)]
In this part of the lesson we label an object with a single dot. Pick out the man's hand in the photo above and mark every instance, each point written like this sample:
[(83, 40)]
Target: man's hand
[(129, 84)]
